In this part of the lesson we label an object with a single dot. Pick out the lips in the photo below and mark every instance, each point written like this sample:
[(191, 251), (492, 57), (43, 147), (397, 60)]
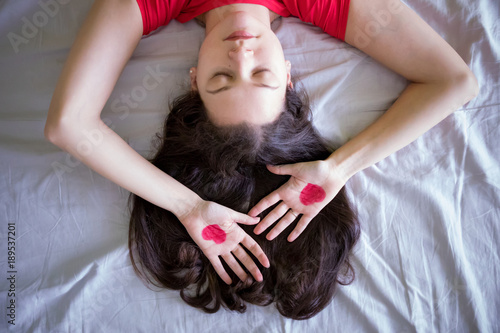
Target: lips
[(239, 35)]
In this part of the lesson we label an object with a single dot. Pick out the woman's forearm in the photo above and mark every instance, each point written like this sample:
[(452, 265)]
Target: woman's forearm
[(418, 109), (101, 149)]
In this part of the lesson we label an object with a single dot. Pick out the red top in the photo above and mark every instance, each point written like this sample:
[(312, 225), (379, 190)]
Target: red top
[(329, 15)]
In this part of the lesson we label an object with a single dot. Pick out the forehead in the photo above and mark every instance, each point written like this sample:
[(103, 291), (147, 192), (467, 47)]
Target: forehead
[(254, 105)]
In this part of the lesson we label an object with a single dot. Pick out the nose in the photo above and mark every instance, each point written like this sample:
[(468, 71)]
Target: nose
[(241, 52)]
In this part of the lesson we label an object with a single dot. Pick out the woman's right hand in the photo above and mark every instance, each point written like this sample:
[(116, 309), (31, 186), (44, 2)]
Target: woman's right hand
[(214, 228)]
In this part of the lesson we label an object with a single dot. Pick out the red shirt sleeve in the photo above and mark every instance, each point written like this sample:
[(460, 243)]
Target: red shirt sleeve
[(329, 15), (156, 13)]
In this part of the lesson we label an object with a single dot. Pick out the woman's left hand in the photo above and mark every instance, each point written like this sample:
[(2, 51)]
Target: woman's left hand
[(312, 186)]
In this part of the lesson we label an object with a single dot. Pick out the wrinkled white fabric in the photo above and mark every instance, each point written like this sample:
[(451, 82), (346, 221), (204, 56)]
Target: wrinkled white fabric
[(428, 258)]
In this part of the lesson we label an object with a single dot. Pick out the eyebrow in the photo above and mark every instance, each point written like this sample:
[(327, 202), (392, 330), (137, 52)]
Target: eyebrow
[(260, 85)]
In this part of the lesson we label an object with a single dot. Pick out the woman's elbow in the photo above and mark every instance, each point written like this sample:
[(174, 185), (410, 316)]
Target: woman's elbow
[(50, 132), (467, 85), (54, 129)]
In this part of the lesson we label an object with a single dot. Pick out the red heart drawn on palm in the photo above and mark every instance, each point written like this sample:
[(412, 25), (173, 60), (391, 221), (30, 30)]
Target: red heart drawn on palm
[(311, 194), (215, 233)]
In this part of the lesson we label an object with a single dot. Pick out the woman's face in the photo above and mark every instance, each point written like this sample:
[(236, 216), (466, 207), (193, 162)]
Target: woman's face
[(242, 74)]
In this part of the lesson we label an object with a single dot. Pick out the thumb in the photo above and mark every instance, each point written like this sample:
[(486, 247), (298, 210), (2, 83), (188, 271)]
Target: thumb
[(245, 219), (285, 169)]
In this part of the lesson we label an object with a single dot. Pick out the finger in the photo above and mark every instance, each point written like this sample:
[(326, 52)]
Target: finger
[(265, 203), (301, 226), (247, 261), (285, 169), (282, 225), (245, 219), (256, 250), (235, 266), (216, 263), (270, 218)]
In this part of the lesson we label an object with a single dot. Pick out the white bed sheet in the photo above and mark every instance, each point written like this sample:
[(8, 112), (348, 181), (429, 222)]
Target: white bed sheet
[(428, 258)]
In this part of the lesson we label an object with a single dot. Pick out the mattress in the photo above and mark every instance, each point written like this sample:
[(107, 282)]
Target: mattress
[(428, 257)]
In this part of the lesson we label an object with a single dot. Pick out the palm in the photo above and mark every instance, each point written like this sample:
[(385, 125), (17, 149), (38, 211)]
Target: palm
[(213, 227), (234, 235), (291, 191), (311, 187)]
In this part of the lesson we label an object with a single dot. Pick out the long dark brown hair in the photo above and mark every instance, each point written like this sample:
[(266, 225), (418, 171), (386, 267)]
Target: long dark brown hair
[(227, 165)]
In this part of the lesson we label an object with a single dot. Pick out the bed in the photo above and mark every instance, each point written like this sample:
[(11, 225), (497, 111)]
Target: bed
[(428, 257)]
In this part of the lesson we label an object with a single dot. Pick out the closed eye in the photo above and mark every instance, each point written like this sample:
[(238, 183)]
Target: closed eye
[(262, 70), (221, 74), (226, 74), (257, 80)]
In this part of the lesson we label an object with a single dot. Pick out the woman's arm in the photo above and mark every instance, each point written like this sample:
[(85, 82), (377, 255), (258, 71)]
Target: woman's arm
[(103, 46), (440, 82)]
